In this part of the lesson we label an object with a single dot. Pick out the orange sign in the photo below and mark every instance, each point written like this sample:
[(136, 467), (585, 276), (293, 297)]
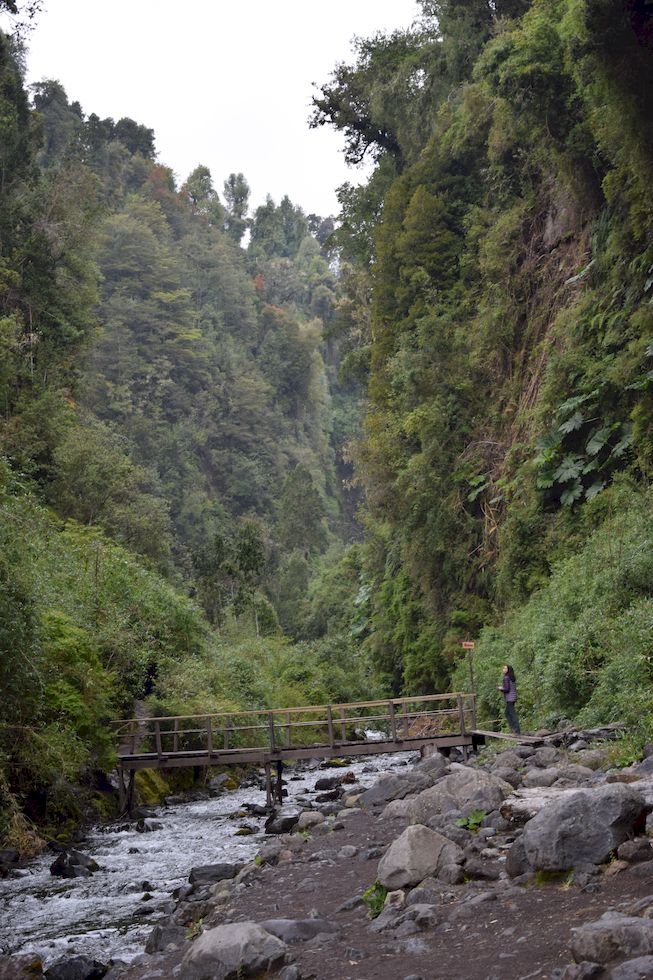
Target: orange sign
[(468, 645)]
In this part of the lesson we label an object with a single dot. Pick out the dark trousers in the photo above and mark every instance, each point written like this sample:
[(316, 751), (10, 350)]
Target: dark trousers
[(511, 715)]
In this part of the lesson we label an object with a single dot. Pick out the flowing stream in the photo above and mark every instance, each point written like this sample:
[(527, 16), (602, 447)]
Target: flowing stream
[(111, 914)]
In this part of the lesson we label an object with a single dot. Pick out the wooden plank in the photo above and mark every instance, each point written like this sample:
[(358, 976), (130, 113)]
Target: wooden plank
[(511, 737), (175, 737), (209, 736), (157, 738)]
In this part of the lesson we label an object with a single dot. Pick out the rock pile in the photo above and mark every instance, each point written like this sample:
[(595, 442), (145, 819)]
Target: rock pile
[(437, 845)]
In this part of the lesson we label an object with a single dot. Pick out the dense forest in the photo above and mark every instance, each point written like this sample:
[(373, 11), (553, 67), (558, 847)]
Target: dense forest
[(251, 457)]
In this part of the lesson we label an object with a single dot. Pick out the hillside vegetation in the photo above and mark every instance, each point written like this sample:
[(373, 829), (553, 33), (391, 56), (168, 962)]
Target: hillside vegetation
[(253, 457)]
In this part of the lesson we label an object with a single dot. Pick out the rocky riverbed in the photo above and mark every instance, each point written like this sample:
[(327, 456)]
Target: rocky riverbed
[(533, 862)]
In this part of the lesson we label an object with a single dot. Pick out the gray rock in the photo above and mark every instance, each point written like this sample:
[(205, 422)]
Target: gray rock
[(481, 870), (148, 826), (347, 852), (230, 951), (578, 971), (614, 934), (516, 861), (76, 968), (509, 760), (290, 972), (310, 818), (635, 851), (282, 821), (394, 786), (637, 969), (73, 864), (435, 765), (593, 758), (163, 935), (508, 775), (541, 777), (577, 773), (298, 930), (464, 789), (584, 826), (209, 873), (451, 874), (414, 855), (397, 808), (545, 757)]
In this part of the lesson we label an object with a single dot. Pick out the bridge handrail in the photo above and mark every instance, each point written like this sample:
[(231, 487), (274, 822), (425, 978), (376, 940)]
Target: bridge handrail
[(237, 712)]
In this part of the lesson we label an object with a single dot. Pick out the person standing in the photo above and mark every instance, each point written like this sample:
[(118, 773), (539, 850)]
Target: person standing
[(509, 690)]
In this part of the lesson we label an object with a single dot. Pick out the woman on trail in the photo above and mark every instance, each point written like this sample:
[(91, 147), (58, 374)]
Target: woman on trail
[(509, 690)]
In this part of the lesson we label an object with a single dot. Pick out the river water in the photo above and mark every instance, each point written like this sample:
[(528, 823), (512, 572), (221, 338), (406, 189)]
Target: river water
[(110, 914)]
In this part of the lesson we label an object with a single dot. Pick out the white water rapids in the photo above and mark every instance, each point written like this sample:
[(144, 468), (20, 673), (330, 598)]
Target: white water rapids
[(108, 915)]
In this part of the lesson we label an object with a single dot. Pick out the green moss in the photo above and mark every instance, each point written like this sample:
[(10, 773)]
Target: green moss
[(151, 788)]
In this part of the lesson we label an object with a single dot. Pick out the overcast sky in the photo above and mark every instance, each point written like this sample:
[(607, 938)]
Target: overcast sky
[(222, 83)]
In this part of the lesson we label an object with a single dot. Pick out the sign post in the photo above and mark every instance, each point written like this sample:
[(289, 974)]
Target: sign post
[(469, 646)]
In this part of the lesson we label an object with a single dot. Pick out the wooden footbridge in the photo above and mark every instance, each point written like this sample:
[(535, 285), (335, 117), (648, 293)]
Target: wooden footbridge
[(273, 737)]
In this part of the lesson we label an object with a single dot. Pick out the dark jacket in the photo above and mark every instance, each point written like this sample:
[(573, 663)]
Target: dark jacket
[(509, 689)]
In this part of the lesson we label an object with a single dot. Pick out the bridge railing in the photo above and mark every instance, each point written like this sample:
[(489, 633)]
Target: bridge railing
[(398, 720)]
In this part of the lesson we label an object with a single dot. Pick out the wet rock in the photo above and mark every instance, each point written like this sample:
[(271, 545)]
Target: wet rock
[(27, 965), (327, 782), (216, 784), (231, 951), (414, 855), (210, 873), (282, 821), (148, 826), (582, 827), (329, 796), (76, 968), (298, 930), (614, 934), (73, 864)]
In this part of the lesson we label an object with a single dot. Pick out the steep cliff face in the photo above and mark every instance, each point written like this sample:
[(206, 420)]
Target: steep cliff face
[(510, 378)]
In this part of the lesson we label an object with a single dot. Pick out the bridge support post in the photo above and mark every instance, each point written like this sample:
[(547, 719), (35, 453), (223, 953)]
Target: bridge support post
[(268, 786), (279, 786)]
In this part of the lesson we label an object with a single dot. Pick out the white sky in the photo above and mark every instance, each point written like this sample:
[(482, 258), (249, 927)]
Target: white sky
[(222, 83)]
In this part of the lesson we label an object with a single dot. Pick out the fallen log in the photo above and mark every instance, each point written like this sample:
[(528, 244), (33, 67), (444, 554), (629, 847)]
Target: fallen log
[(524, 804)]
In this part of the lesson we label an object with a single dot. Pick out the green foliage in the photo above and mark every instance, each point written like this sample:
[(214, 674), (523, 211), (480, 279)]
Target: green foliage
[(581, 645), (473, 821), (374, 897)]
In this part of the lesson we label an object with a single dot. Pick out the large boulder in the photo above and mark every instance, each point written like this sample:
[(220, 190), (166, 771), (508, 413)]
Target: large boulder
[(394, 786), (230, 951), (76, 968), (464, 789), (298, 930), (582, 827), (614, 934), (414, 855), (210, 873)]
